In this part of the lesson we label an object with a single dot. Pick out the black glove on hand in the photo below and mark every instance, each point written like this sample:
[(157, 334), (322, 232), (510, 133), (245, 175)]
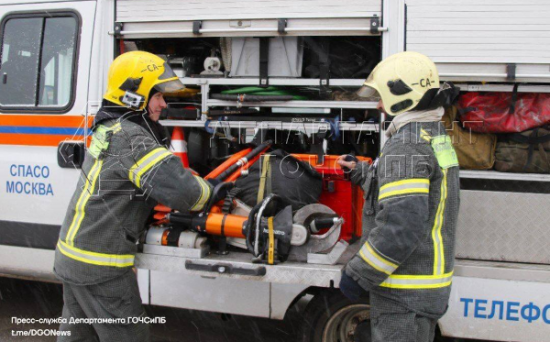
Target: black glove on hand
[(349, 158), (219, 191), (351, 289)]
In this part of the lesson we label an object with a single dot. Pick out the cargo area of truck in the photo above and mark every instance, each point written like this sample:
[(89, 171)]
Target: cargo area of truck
[(220, 58)]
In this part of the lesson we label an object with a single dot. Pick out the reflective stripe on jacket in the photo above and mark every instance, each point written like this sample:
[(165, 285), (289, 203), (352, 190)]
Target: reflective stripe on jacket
[(124, 175), (410, 216)]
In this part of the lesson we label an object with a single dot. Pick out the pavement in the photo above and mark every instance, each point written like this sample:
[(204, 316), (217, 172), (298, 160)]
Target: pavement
[(28, 299)]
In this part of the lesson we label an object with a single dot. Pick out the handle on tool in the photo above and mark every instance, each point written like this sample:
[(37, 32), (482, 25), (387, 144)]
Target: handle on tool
[(179, 218), (225, 269), (322, 223), (257, 150)]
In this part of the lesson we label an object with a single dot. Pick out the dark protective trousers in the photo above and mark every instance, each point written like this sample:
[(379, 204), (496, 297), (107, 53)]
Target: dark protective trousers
[(116, 298), (392, 322)]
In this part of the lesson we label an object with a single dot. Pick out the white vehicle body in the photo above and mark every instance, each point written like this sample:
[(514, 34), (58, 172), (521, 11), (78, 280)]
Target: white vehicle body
[(502, 277)]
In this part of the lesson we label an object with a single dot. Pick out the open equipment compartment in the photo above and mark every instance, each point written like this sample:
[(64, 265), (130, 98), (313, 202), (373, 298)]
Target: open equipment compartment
[(443, 32), (330, 55), (490, 217), (319, 104)]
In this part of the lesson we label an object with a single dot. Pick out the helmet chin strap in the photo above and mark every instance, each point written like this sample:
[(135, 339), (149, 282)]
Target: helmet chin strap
[(444, 96)]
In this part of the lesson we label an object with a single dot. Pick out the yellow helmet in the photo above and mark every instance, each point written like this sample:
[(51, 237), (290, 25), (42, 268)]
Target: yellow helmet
[(401, 80), (134, 74)]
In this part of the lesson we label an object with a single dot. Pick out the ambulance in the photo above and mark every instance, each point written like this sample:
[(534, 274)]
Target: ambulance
[(54, 61)]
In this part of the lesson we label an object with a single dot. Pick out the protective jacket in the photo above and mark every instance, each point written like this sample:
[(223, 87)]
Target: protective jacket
[(126, 172), (409, 219)]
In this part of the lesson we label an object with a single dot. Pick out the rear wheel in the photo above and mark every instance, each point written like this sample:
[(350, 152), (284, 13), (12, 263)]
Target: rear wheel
[(331, 317)]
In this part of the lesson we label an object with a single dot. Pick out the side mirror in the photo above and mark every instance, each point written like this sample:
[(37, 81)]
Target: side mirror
[(70, 154)]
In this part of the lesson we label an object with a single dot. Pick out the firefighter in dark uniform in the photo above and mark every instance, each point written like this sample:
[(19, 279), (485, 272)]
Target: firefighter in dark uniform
[(405, 264), (127, 170)]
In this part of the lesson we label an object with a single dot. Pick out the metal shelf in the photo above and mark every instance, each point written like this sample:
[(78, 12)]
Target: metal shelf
[(533, 177), (296, 82), (301, 82), (296, 104), (299, 126), (507, 88)]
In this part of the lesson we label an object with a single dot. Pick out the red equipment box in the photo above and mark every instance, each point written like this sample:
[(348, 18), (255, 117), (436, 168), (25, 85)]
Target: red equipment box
[(339, 194)]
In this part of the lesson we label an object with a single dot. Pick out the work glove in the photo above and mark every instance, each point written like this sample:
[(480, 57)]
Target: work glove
[(351, 289), (219, 191), (347, 162)]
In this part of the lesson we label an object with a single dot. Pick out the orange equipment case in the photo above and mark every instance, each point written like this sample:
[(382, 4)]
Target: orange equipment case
[(338, 193)]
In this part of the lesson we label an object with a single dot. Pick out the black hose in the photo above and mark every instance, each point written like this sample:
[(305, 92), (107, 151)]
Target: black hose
[(257, 150), (251, 98)]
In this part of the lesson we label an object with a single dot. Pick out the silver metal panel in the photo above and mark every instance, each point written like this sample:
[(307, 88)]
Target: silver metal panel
[(461, 71), (503, 226), (502, 270), (393, 40), (160, 28), (473, 40), (143, 284), (535, 177), (330, 258), (282, 295), (285, 273), (175, 10), (216, 294), (27, 263), (176, 251), (20, 2)]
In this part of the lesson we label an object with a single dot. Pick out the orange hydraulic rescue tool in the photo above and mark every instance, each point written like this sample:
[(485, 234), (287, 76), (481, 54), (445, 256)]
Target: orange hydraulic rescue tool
[(213, 221)]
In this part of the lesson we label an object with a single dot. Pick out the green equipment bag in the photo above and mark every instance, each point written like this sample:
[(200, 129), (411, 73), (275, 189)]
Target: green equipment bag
[(527, 151), (475, 151)]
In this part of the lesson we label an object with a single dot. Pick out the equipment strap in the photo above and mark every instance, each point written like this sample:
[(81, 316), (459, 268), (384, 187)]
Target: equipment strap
[(532, 139), (512, 108), (263, 178), (173, 237), (271, 246)]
